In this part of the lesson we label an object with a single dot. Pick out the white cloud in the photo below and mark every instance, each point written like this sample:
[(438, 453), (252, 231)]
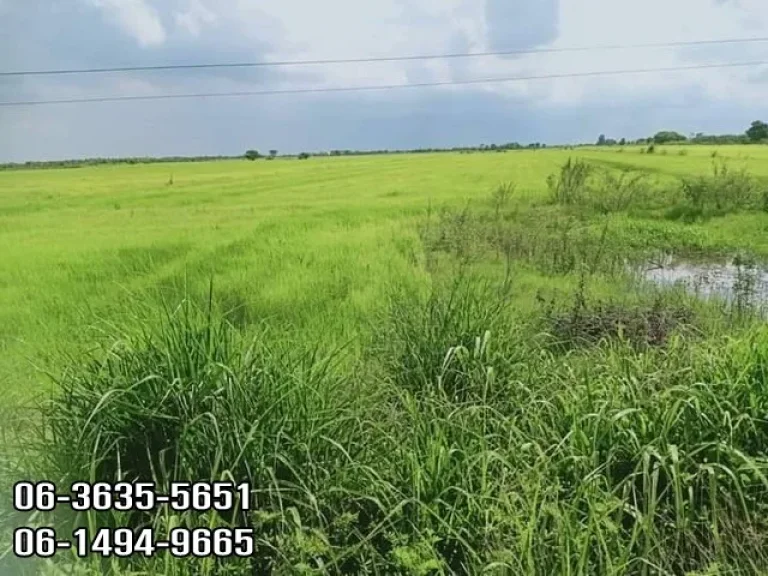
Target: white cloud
[(195, 17), (137, 18), (598, 22)]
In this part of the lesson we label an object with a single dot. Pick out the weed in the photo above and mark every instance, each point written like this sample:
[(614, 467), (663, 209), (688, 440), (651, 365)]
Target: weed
[(421, 333), (501, 197), (724, 191), (744, 287), (617, 192), (569, 186), (456, 232), (589, 322)]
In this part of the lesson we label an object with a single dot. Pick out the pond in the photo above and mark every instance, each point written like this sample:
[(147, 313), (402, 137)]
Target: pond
[(732, 281)]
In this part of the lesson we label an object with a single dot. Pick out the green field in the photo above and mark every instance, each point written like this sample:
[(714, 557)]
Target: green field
[(591, 424), (308, 244)]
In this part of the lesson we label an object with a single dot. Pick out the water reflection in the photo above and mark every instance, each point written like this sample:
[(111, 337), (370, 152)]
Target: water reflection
[(736, 281)]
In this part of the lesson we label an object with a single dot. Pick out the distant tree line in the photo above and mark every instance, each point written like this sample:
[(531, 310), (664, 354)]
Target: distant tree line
[(479, 148), (757, 133), (100, 161), (253, 155)]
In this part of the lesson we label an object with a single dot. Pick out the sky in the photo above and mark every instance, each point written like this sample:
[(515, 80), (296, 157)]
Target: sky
[(57, 34)]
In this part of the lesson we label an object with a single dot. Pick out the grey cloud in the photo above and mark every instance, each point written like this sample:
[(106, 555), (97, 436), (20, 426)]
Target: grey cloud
[(759, 77), (521, 24), (67, 46), (737, 52), (408, 119), (59, 34)]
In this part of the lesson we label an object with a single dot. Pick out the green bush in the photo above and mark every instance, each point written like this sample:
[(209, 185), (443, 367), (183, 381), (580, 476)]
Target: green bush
[(724, 191), (579, 184)]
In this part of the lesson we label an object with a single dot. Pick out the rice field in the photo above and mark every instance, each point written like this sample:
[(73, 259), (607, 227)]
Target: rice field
[(422, 364)]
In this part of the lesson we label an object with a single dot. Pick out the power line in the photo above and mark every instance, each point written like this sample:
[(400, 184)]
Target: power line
[(283, 63), (380, 87)]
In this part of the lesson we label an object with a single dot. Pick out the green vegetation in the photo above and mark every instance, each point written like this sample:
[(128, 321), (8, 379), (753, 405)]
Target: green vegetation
[(758, 131), (667, 137), (432, 364)]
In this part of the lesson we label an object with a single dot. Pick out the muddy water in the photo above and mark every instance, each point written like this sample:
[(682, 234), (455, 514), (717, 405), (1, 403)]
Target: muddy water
[(729, 281)]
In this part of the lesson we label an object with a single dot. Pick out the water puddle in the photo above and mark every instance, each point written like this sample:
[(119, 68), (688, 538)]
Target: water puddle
[(735, 282)]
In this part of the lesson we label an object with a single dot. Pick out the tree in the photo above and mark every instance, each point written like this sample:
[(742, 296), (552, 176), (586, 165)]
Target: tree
[(601, 140), (304, 156), (623, 142), (252, 154), (667, 136), (272, 153), (758, 131)]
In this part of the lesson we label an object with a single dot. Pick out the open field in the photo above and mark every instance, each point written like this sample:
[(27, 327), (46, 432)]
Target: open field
[(309, 244), (427, 364)]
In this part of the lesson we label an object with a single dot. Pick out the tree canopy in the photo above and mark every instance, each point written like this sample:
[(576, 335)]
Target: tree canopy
[(667, 136), (758, 131)]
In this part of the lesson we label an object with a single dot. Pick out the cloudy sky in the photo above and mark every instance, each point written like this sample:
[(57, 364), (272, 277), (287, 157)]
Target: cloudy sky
[(55, 34)]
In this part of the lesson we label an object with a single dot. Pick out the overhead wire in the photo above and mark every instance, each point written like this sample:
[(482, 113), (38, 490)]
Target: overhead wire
[(383, 87), (365, 60)]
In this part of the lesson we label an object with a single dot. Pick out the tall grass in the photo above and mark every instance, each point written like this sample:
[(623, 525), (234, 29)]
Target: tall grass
[(469, 448), (191, 400)]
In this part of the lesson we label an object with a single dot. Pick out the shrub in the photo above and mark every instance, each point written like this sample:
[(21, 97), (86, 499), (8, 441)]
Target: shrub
[(569, 186), (725, 190), (605, 190), (614, 192)]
